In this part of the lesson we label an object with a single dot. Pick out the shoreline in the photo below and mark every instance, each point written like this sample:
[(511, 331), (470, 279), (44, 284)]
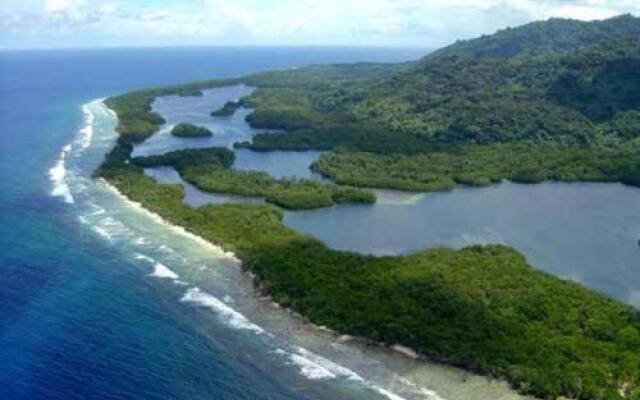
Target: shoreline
[(261, 295), (176, 228), (264, 299), (301, 273)]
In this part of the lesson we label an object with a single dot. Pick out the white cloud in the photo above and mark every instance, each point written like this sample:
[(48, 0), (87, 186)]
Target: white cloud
[(58, 5), (359, 22)]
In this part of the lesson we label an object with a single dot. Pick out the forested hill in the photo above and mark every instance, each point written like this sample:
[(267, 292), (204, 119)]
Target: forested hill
[(569, 84), (554, 36), (563, 80), (570, 96)]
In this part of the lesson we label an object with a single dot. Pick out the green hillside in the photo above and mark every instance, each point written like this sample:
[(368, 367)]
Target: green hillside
[(544, 38), (570, 83)]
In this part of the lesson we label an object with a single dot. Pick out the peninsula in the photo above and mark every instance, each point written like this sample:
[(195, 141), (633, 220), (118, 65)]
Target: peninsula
[(552, 100)]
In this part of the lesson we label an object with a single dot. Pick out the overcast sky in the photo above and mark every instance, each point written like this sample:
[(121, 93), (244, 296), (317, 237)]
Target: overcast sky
[(416, 23)]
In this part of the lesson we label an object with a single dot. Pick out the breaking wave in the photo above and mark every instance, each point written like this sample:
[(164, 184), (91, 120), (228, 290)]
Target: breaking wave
[(231, 316), (58, 174), (86, 132), (313, 366)]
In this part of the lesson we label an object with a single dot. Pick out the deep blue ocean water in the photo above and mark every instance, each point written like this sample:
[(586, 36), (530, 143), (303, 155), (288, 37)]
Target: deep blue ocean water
[(79, 316)]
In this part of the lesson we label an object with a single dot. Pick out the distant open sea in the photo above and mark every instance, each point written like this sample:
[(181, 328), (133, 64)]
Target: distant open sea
[(87, 310)]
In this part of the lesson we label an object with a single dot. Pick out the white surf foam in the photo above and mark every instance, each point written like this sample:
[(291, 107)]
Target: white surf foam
[(216, 250), (336, 369), (427, 394), (139, 256), (102, 232), (58, 174), (97, 210), (140, 241), (232, 317), (388, 394), (114, 228), (162, 271), (313, 366), (166, 249), (109, 221), (86, 132), (309, 369), (159, 269)]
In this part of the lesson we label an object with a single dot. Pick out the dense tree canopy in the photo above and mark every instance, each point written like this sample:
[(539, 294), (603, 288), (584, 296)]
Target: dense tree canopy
[(550, 100), (190, 131), (209, 170)]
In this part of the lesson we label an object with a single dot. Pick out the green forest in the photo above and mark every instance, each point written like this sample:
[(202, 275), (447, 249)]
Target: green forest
[(227, 110), (520, 162), (190, 131), (553, 100), (482, 308), (209, 170)]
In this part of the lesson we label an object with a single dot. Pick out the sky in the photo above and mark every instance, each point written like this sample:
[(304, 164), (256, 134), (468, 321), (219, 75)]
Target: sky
[(403, 23)]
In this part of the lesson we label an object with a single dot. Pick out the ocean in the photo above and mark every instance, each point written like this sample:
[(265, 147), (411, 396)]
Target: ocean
[(86, 310)]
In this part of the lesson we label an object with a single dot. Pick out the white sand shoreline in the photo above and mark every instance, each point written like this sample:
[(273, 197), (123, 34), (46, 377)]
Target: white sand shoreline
[(220, 252)]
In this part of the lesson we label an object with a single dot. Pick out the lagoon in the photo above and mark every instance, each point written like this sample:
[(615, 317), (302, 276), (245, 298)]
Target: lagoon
[(587, 232)]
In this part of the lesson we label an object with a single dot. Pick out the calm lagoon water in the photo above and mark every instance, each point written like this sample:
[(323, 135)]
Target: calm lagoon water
[(587, 232), (226, 131), (100, 300)]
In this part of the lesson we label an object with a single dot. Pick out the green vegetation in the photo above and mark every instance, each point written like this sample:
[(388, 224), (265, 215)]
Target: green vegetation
[(294, 194), (190, 131), (554, 100), (208, 170), (541, 38), (483, 165), (227, 110), (218, 157), (136, 120), (481, 308)]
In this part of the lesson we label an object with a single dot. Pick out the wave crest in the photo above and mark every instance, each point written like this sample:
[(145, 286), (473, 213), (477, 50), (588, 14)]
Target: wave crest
[(232, 317)]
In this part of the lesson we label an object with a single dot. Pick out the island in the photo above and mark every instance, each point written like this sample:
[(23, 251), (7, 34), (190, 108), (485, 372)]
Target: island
[(551, 100), (190, 131), (227, 110)]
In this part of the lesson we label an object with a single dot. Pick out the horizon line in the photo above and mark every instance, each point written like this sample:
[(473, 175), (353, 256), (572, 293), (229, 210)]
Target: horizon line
[(222, 46)]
